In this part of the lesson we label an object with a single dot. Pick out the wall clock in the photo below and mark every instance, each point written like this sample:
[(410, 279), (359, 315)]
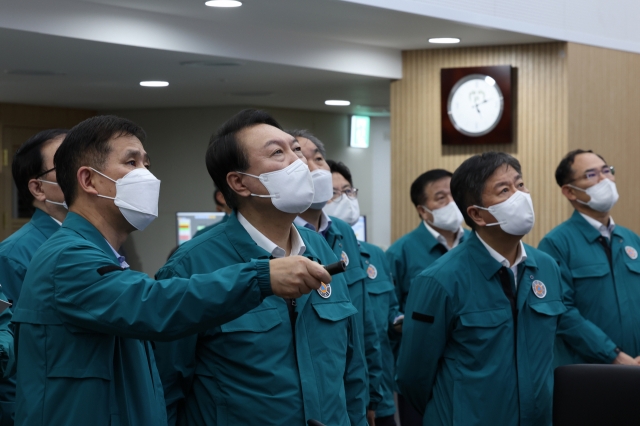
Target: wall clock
[(477, 105)]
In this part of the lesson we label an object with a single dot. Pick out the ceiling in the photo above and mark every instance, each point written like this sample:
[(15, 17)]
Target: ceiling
[(278, 53)]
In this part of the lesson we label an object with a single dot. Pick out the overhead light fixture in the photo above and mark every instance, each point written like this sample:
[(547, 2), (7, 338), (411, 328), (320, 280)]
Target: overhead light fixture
[(335, 102), (154, 83), (444, 40), (223, 3)]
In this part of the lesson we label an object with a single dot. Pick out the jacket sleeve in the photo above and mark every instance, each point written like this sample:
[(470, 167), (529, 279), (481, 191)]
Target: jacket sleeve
[(426, 328), (580, 334), (12, 275), (354, 377), (129, 304), (396, 268), (372, 353)]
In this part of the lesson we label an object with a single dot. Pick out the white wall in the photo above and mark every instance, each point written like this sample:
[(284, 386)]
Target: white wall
[(177, 140)]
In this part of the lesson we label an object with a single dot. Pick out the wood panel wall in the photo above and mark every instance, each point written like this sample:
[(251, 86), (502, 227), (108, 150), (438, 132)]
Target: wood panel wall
[(541, 120), (604, 105)]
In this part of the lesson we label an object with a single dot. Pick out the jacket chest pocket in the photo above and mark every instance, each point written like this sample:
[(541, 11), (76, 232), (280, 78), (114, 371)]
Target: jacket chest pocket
[(332, 326), (544, 323), (634, 267), (589, 274), (254, 321), (478, 332)]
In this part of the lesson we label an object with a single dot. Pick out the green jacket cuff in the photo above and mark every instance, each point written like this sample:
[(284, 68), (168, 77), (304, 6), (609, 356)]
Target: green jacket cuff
[(264, 277)]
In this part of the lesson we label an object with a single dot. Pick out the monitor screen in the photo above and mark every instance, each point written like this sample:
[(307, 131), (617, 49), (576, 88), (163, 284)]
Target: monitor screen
[(191, 222), (360, 228)]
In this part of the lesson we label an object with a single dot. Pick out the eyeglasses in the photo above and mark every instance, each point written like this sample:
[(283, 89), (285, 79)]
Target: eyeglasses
[(44, 173), (592, 175), (349, 192)]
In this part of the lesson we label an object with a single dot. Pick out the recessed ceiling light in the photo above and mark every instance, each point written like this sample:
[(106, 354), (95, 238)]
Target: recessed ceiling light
[(335, 102), (444, 40), (154, 83), (223, 3)]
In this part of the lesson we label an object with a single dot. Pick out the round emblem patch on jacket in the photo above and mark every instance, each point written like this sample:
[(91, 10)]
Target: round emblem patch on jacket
[(539, 289), (372, 272), (631, 252), (344, 258), (324, 291)]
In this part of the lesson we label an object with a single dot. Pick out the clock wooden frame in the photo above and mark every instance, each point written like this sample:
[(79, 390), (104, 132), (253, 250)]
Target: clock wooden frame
[(504, 132)]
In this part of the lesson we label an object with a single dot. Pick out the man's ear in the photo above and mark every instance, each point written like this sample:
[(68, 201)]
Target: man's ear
[(424, 215), (569, 192), (85, 181), (234, 180), (475, 215), (35, 187)]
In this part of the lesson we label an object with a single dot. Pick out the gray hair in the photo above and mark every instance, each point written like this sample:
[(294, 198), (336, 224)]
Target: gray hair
[(303, 133)]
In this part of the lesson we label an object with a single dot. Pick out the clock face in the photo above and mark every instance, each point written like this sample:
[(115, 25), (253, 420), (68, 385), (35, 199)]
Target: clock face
[(475, 105)]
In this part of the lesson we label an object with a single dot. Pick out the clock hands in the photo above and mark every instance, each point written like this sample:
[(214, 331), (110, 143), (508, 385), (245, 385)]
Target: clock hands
[(480, 103)]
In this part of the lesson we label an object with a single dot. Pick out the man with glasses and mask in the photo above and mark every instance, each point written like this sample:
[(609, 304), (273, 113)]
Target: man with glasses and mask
[(338, 233), (480, 323), (39, 193), (599, 263), (379, 286), (286, 361), (85, 320)]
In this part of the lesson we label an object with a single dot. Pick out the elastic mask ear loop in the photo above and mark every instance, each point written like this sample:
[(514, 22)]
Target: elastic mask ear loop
[(489, 224), (102, 174), (258, 195), (63, 204), (575, 187)]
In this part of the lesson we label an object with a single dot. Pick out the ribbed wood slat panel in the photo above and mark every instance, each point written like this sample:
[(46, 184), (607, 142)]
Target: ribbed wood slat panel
[(541, 119), (604, 101)]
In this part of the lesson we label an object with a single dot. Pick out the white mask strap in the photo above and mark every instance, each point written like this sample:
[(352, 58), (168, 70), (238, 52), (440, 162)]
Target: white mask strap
[(102, 174), (488, 224), (257, 195)]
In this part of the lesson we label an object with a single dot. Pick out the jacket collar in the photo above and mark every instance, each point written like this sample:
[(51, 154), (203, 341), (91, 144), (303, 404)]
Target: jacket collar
[(426, 237), (485, 262), (86, 230), (585, 228), (241, 240), (44, 223)]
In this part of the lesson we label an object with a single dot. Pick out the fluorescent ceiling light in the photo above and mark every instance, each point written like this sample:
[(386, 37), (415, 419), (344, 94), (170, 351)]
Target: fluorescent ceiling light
[(335, 102), (154, 83), (444, 40), (223, 3)]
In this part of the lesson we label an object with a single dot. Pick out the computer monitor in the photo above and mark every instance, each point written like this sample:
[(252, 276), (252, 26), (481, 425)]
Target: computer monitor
[(360, 228), (189, 223)]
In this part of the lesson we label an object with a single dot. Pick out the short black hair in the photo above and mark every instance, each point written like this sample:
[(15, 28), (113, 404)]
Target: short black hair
[(341, 168), (304, 133), (28, 164), (564, 171), (418, 197), (87, 144), (225, 154), (467, 183)]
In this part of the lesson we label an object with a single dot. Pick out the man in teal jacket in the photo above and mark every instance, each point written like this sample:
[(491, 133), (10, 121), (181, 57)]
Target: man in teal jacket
[(39, 194), (340, 237), (439, 231), (384, 302), (84, 318), (284, 362), (599, 264), (477, 344)]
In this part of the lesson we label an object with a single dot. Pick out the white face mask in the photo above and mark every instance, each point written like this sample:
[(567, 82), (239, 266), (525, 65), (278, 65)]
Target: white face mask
[(57, 203), (290, 189), (448, 217), (515, 215), (322, 187), (137, 195), (344, 208), (604, 195)]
